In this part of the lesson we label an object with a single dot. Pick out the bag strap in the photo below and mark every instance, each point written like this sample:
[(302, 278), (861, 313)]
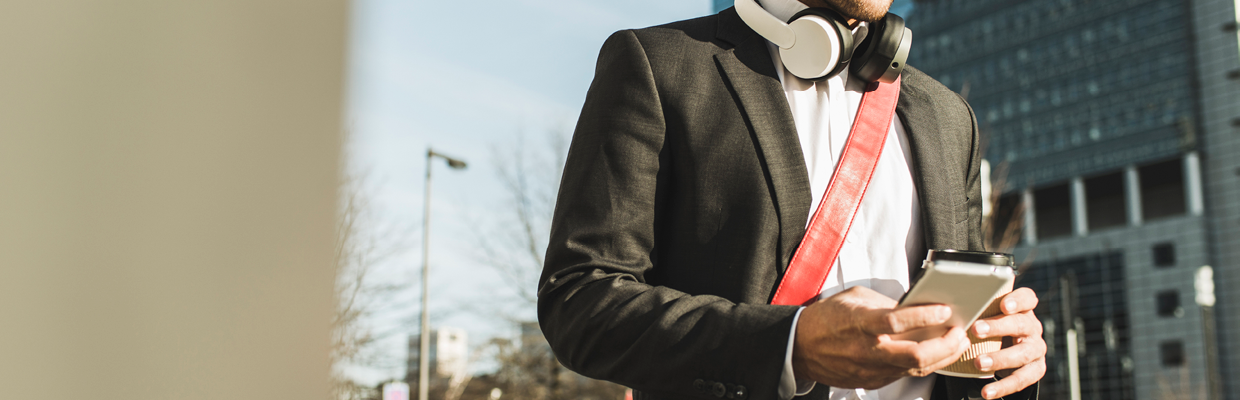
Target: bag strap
[(812, 262)]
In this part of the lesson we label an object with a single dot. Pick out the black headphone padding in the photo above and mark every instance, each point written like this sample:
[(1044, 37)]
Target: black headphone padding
[(875, 53)]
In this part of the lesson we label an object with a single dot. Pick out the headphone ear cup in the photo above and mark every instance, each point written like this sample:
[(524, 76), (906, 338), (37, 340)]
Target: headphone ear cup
[(823, 45), (880, 57)]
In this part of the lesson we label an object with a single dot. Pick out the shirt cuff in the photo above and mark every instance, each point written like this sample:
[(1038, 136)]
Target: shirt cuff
[(789, 385)]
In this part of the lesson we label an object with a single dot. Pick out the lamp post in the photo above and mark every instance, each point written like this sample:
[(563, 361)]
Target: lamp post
[(1204, 285), (1067, 303), (424, 341)]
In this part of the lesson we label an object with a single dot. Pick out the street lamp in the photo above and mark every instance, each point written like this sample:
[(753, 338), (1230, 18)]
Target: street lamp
[(1204, 285), (424, 342)]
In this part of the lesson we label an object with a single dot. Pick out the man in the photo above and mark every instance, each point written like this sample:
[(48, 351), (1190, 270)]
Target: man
[(694, 167)]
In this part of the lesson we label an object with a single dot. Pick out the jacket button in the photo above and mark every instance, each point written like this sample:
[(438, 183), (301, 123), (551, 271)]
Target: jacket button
[(700, 385), (740, 393), (718, 390), (731, 391)]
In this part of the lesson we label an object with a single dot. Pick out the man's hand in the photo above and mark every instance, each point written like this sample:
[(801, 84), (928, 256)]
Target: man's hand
[(844, 341), (1024, 362)]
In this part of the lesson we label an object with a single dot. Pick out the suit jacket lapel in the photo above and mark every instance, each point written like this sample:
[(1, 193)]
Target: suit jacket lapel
[(750, 74)]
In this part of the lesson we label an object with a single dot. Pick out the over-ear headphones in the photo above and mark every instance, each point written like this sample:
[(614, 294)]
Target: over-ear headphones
[(816, 43)]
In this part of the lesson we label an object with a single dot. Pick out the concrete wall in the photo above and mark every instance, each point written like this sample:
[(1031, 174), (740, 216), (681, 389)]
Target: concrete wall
[(167, 196)]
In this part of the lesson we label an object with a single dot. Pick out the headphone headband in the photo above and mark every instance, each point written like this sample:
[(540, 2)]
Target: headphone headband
[(817, 43), (765, 24)]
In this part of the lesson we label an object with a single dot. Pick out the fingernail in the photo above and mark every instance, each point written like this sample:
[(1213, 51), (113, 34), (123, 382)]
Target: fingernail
[(981, 328), (984, 363), (988, 393), (1010, 305), (944, 313)]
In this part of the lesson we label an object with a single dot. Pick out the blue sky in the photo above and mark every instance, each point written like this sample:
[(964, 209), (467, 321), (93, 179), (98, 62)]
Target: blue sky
[(466, 80)]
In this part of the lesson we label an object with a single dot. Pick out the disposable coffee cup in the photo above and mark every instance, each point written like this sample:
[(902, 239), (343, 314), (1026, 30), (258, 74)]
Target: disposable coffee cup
[(964, 367)]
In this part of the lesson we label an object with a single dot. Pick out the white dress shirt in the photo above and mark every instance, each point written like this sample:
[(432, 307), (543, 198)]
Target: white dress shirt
[(885, 238)]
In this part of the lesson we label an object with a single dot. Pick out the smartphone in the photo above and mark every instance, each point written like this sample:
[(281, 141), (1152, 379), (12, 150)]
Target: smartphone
[(967, 287)]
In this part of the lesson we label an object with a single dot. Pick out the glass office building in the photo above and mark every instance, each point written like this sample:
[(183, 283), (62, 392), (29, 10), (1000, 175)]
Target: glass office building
[(1113, 132)]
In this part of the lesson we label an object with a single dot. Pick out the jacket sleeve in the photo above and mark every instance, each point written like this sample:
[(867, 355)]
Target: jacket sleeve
[(973, 183), (595, 306)]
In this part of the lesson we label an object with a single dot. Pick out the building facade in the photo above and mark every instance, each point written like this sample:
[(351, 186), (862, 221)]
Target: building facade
[(449, 356), (1113, 130)]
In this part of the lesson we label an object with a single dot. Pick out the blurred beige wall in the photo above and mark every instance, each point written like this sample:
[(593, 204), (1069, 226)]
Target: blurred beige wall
[(167, 193)]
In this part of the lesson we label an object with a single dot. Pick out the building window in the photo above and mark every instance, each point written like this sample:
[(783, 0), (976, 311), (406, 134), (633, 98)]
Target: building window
[(1097, 299), (1162, 189), (1164, 255), (1169, 304), (1172, 353), (1053, 211), (1104, 198)]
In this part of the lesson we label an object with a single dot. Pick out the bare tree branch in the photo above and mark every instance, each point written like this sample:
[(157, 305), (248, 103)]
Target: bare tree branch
[(362, 245), (513, 246)]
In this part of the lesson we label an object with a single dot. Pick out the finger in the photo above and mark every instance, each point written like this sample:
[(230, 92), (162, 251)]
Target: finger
[(945, 361), (1018, 325), (925, 355), (1019, 301), (1020, 379), (904, 319), (1016, 356)]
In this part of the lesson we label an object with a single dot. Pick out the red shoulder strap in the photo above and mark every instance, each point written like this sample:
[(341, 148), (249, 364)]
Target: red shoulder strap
[(825, 235)]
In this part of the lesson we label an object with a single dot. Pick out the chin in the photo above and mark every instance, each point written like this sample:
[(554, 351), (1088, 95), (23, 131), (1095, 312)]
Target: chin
[(864, 10)]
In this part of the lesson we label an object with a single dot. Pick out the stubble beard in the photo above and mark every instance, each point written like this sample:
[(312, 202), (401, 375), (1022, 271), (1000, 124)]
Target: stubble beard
[(864, 10)]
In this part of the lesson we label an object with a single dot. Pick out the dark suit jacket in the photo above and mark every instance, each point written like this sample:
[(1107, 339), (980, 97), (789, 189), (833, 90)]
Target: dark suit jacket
[(684, 196)]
